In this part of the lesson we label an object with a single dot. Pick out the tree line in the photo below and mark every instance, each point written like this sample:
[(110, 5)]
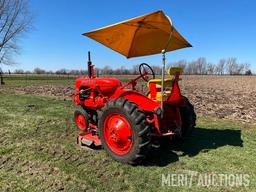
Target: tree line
[(200, 66)]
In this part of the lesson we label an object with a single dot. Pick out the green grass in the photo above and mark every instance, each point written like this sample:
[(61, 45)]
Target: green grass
[(15, 80), (39, 153), (31, 79)]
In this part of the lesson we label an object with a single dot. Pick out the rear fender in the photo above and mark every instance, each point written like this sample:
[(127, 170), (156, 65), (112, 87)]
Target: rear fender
[(143, 102)]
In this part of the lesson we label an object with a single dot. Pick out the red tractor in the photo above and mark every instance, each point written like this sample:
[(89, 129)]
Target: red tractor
[(119, 117), (125, 121)]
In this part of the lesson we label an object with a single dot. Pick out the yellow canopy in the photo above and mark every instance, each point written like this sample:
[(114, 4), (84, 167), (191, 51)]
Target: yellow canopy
[(144, 35)]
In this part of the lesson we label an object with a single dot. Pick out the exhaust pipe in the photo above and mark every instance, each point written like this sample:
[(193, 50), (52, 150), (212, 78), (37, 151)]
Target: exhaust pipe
[(89, 65)]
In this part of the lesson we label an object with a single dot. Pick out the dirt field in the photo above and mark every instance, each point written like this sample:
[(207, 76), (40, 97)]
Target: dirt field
[(229, 97)]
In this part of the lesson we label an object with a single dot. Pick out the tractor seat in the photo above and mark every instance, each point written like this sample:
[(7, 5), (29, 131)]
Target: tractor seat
[(154, 86)]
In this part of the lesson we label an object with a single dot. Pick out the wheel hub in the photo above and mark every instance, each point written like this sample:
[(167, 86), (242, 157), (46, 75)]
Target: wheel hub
[(80, 121), (118, 134)]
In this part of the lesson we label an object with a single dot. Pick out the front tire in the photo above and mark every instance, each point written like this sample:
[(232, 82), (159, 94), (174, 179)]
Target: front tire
[(124, 132), (81, 119)]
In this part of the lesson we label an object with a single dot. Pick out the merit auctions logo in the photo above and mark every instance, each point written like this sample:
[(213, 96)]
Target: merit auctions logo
[(192, 178)]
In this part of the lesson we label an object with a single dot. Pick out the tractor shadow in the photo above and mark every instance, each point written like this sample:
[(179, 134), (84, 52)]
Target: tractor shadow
[(201, 141)]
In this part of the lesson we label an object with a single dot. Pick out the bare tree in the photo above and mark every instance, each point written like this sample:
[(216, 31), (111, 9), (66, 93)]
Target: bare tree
[(210, 68), (124, 71), (157, 69), (240, 69), (191, 68), (234, 68), (15, 19), (19, 71), (247, 66), (231, 65), (62, 72), (135, 69), (201, 65), (197, 67), (107, 70), (74, 72), (220, 67), (39, 71)]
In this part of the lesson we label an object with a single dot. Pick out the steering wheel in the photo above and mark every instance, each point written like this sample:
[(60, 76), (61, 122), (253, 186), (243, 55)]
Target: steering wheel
[(146, 71)]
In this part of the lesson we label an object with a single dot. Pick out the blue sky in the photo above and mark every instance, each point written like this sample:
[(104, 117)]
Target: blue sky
[(216, 29)]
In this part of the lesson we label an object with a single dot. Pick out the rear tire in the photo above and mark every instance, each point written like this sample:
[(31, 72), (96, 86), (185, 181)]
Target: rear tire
[(124, 132), (188, 117)]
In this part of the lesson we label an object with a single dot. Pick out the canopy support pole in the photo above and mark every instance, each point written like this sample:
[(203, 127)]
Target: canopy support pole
[(162, 82), (163, 68)]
